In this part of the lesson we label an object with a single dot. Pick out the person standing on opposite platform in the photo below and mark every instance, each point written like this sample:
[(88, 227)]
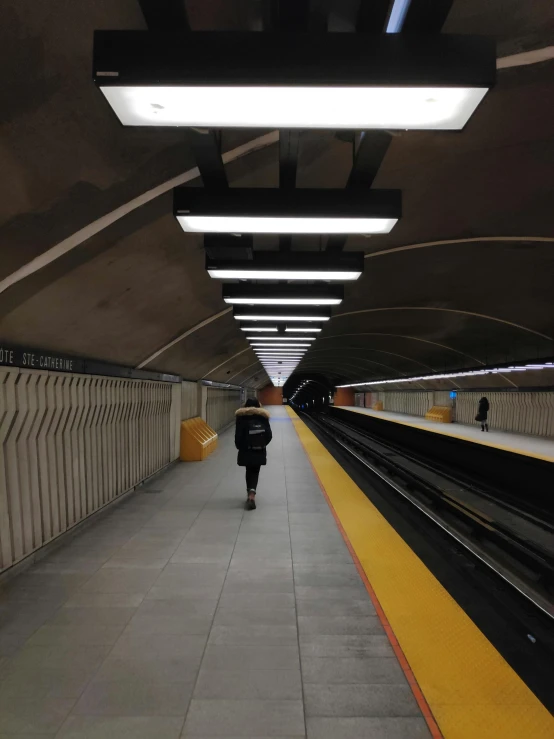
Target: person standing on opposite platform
[(483, 413), (252, 435)]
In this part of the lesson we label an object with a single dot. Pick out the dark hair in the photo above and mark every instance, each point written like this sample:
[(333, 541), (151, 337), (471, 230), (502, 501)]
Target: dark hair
[(252, 403)]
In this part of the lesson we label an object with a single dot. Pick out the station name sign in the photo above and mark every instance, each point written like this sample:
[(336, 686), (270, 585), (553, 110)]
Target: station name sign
[(37, 359)]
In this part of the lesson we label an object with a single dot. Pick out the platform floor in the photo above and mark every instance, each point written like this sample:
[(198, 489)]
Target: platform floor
[(179, 614), (531, 446)]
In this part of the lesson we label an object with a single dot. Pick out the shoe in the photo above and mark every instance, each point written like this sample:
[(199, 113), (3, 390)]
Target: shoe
[(250, 504)]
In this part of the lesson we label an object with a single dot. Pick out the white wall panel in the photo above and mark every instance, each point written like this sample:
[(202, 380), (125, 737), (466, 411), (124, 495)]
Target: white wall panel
[(521, 412), (221, 406), (189, 400), (70, 444)]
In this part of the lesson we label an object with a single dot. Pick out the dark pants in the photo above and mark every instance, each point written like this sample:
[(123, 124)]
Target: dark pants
[(252, 474)]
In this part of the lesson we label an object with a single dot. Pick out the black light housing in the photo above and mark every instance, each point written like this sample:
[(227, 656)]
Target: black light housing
[(272, 210), (289, 265), (292, 80), (283, 295), (294, 315)]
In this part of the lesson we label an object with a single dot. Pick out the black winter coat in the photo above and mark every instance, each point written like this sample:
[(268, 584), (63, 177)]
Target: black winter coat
[(252, 435), (483, 409)]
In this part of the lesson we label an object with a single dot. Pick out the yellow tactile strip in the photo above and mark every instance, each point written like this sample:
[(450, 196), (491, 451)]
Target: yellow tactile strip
[(449, 432), (472, 691)]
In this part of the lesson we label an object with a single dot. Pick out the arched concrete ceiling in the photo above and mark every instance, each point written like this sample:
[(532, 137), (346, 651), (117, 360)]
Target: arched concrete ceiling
[(79, 275)]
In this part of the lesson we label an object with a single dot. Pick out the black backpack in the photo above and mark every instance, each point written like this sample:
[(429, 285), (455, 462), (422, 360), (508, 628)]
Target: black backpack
[(257, 433)]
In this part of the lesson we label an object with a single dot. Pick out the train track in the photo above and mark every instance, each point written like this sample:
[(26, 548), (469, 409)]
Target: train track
[(513, 542)]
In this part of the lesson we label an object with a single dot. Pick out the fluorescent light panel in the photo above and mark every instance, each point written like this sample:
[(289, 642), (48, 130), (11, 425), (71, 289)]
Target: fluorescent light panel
[(281, 338), (301, 330), (284, 274), (242, 316), (298, 211), (283, 301), (285, 225), (289, 266), (302, 295), (260, 329), (462, 373), (208, 80)]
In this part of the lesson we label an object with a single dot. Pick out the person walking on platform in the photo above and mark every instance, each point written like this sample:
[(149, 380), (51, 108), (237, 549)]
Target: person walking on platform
[(482, 414), (252, 435)]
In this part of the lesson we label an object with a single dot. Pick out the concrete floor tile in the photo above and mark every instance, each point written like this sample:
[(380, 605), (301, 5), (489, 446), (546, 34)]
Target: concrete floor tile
[(359, 700), (375, 670), (160, 646), (149, 669), (104, 600), (172, 617), (51, 671), (252, 684), (252, 633), (31, 714), (339, 625), (367, 728), (256, 600), (255, 616), (87, 634), (121, 727), (79, 616), (135, 698), (227, 657), (339, 645), (318, 592), (335, 607), (121, 580), (245, 718), (141, 562)]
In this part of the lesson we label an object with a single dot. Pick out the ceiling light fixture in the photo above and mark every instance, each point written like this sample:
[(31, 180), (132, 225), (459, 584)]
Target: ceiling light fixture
[(283, 294), (299, 314), (301, 330), (260, 329), (279, 265), (298, 211), (288, 347), (207, 79), (281, 338), (462, 373)]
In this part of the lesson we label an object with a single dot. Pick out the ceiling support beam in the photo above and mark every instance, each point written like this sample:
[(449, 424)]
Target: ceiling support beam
[(171, 15), (426, 16), (372, 16), (165, 15), (206, 148), (290, 15), (370, 152), (288, 164)]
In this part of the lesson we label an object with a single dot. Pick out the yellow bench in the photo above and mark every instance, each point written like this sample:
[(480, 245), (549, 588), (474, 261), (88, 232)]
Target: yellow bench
[(440, 414), (198, 440), (377, 406)]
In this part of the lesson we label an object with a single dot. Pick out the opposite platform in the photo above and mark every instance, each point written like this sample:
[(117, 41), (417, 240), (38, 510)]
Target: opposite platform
[(177, 613), (529, 446)]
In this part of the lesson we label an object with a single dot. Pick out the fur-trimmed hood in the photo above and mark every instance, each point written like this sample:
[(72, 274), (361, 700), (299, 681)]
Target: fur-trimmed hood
[(252, 412)]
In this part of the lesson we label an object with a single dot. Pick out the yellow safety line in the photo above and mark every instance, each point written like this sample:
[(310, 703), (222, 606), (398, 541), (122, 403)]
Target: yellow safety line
[(472, 691), (447, 432)]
